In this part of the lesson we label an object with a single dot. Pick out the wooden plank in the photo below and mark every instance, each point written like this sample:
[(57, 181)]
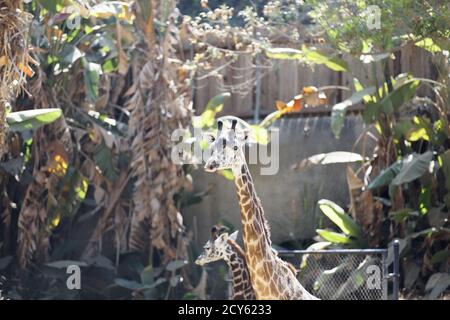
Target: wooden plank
[(269, 87), (285, 79), (242, 81)]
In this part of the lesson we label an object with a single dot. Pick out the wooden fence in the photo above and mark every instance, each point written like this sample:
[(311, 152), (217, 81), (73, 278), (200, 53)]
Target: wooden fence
[(283, 79)]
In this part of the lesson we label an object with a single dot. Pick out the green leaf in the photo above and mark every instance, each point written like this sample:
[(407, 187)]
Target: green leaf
[(412, 271), (147, 275), (227, 174), (214, 106), (386, 176), (357, 84), (103, 159), (284, 53), (104, 10), (217, 102), (338, 110), (327, 278), (334, 237), (402, 127), (92, 72), (413, 167), (51, 5), (318, 57), (32, 119), (189, 296), (309, 54), (429, 45), (437, 284), (336, 214), (369, 58), (131, 285), (259, 134), (401, 94), (176, 264), (437, 217), (403, 214), (329, 158), (440, 256), (357, 278), (109, 66), (70, 54), (428, 232), (371, 112)]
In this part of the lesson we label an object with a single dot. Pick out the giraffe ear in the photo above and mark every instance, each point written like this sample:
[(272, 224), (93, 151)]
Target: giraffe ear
[(208, 136), (246, 136), (234, 235)]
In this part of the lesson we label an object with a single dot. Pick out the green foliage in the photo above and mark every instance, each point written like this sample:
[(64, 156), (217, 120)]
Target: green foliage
[(311, 55), (413, 168), (214, 106), (92, 72), (336, 214), (338, 110), (31, 119), (402, 93), (351, 235), (334, 237), (284, 54), (386, 176)]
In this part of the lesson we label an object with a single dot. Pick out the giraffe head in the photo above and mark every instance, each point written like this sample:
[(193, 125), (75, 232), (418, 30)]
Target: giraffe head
[(217, 247), (226, 147)]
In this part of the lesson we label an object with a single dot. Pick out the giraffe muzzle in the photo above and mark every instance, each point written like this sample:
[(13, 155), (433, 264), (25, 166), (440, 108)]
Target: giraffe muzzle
[(200, 261), (211, 166)]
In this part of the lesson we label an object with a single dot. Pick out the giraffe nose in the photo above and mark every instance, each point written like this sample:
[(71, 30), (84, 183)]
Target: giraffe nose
[(211, 165), (199, 261)]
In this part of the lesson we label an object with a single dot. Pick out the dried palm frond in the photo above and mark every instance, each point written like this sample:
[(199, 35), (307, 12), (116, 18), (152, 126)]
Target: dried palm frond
[(159, 104), (14, 57), (44, 193)]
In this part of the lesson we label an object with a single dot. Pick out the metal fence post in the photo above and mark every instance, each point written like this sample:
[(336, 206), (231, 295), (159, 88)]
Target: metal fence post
[(385, 275), (257, 91), (396, 274)]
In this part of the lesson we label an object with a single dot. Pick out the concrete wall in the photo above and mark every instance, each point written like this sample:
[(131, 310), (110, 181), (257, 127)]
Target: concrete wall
[(289, 198)]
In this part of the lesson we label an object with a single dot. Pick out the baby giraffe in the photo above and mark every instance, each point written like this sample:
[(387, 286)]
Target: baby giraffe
[(224, 246)]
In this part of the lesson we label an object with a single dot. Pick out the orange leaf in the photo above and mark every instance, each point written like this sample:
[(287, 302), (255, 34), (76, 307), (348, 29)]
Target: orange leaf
[(323, 98), (280, 105), (309, 90), (3, 61), (290, 104), (298, 102), (26, 69)]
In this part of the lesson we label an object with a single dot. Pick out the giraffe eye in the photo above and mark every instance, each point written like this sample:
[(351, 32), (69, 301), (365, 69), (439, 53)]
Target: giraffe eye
[(235, 148), (212, 139)]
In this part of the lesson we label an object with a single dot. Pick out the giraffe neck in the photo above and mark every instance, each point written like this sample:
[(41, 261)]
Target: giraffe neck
[(242, 286), (271, 277), (255, 225)]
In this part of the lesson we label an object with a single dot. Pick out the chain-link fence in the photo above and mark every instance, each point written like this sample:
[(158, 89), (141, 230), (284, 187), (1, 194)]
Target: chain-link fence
[(341, 274), (347, 274)]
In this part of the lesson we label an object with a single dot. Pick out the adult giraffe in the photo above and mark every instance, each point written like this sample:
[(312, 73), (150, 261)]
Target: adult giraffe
[(272, 278)]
